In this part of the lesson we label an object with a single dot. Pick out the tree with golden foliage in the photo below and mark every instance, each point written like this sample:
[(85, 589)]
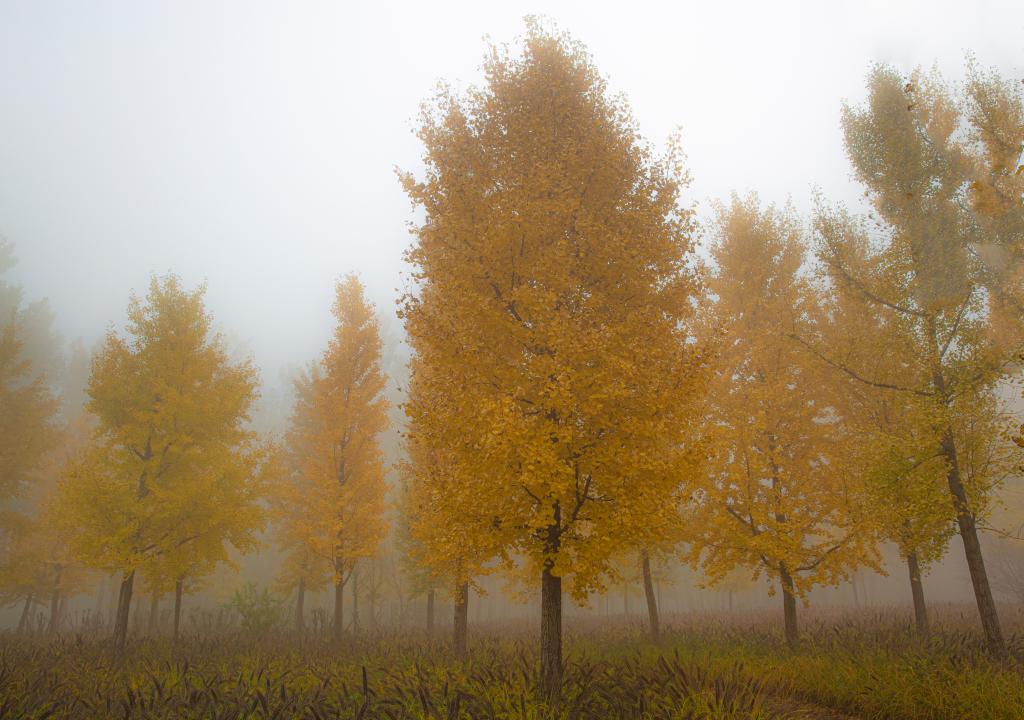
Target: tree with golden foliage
[(927, 268), (780, 498), (331, 504), (172, 469), (550, 321)]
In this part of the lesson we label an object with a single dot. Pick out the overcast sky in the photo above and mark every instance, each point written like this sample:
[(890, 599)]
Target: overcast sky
[(253, 144)]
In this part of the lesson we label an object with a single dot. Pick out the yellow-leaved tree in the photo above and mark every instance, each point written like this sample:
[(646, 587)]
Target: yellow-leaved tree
[(780, 498), (918, 149), (172, 469), (549, 322), (331, 501)]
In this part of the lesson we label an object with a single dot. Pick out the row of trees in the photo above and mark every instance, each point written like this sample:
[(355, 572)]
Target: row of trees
[(151, 468), (585, 387)]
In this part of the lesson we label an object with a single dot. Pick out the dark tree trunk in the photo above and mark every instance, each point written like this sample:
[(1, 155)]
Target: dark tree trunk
[(551, 614), (124, 601), (550, 633), (972, 549), (179, 590), (300, 607), (917, 591), (461, 620), (856, 597), (339, 609), (154, 613), (430, 613), (789, 605), (652, 601), (23, 622)]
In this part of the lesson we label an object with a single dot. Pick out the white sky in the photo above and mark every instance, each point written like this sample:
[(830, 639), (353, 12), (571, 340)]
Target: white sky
[(253, 144)]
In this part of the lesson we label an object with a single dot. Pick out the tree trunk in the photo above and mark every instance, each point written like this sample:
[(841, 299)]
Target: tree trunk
[(179, 590), (789, 605), (339, 608), (54, 623), (154, 613), (101, 596), (972, 549), (856, 597), (652, 602), (917, 591), (124, 601), (461, 619), (730, 602), (355, 602), (300, 607), (23, 622), (550, 633), (430, 613)]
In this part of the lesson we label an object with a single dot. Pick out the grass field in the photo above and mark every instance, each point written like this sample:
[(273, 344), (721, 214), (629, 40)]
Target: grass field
[(705, 667)]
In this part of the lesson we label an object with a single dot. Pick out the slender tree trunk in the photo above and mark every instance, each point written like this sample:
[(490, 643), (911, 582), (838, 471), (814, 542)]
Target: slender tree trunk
[(551, 615), (789, 605), (23, 622), (461, 620), (54, 623), (300, 607), (124, 601), (100, 597), (179, 590), (652, 602), (966, 523), (355, 602), (339, 608), (430, 613), (856, 597), (917, 591), (730, 602), (972, 549), (154, 613)]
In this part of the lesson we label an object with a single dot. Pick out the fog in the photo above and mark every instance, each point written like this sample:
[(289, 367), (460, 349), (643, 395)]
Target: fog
[(253, 146)]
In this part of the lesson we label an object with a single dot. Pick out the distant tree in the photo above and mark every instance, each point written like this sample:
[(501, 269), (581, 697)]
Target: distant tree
[(172, 470), (549, 322), (780, 498), (331, 503), (30, 438), (28, 423)]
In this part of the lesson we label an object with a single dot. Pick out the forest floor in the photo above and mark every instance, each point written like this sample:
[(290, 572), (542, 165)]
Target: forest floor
[(704, 667)]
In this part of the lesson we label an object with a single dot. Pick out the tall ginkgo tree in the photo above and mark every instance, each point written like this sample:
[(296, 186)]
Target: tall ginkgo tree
[(332, 499), (550, 319), (172, 468), (780, 498), (943, 267)]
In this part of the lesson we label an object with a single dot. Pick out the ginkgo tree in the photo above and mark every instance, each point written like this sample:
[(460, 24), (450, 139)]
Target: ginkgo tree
[(549, 320), (172, 470), (934, 172), (331, 500), (779, 498)]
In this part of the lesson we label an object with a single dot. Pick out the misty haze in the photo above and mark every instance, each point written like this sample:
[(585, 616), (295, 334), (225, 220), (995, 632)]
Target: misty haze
[(583, 360)]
